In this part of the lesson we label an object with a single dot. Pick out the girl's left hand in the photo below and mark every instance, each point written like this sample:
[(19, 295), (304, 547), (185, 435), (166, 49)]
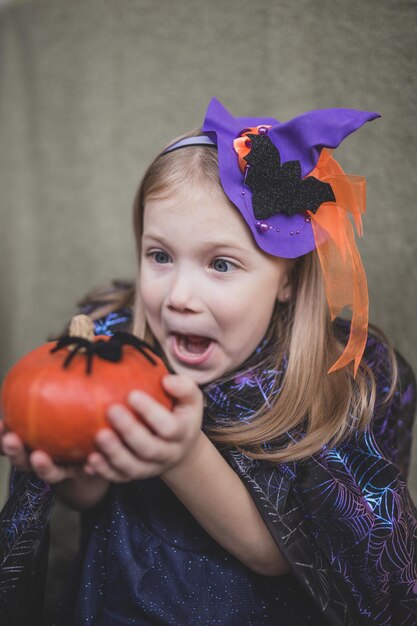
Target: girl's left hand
[(155, 440)]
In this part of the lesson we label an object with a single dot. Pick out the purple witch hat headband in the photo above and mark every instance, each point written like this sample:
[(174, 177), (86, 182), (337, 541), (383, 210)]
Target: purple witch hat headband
[(295, 198)]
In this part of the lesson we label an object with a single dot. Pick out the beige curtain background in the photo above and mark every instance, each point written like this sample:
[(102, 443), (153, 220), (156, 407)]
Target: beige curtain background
[(91, 89)]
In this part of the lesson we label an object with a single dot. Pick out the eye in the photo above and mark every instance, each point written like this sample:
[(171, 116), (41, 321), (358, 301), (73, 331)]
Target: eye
[(159, 256), (222, 265)]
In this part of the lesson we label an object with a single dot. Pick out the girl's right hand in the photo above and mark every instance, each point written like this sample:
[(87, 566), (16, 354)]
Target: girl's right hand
[(36, 461)]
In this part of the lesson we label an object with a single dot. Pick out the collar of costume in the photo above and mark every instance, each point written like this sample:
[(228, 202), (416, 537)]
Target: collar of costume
[(240, 395), (295, 197)]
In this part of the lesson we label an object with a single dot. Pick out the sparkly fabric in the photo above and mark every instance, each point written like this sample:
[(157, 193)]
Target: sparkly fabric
[(343, 519), (23, 550), (279, 188), (147, 561)]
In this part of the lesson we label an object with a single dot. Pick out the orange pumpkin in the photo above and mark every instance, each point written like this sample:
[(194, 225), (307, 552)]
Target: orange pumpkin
[(54, 403)]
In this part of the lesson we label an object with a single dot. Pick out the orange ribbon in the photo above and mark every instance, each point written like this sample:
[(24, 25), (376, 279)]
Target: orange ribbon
[(343, 272)]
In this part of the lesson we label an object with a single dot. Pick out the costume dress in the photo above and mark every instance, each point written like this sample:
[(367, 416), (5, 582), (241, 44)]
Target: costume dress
[(343, 519), (147, 561)]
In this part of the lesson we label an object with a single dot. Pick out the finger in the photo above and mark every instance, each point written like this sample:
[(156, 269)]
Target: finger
[(2, 432), (162, 421), (189, 398), (101, 466), (13, 447), (113, 452), (183, 389), (136, 436), (97, 464), (47, 470)]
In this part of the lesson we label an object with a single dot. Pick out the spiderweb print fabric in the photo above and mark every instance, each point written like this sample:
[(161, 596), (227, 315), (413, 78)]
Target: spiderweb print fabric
[(23, 522), (343, 518)]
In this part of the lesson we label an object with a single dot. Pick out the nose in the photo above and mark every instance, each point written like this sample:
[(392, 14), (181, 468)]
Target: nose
[(183, 294)]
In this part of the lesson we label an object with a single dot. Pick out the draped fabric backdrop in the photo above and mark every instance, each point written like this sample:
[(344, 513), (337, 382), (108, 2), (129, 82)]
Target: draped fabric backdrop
[(91, 89)]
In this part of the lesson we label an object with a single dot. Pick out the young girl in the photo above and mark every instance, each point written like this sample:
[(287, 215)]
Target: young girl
[(274, 492)]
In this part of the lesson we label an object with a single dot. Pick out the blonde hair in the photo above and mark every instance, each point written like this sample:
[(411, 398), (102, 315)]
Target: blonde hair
[(325, 408)]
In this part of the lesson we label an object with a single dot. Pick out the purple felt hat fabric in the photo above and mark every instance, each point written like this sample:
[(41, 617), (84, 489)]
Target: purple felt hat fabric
[(300, 139)]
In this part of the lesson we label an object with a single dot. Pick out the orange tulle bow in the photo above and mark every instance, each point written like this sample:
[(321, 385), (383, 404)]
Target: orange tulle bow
[(343, 272)]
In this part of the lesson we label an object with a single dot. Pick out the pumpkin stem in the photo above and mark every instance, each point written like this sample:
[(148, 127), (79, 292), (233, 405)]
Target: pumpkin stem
[(81, 326)]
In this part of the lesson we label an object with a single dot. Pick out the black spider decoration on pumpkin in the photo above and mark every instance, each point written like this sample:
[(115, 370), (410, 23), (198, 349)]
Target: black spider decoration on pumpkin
[(111, 350)]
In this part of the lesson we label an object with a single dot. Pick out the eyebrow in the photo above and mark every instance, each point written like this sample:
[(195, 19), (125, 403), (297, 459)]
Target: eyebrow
[(209, 245)]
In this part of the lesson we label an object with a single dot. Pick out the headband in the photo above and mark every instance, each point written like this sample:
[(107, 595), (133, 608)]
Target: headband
[(295, 197)]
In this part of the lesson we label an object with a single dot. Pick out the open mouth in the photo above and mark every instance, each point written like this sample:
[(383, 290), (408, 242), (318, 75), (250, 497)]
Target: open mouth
[(191, 349)]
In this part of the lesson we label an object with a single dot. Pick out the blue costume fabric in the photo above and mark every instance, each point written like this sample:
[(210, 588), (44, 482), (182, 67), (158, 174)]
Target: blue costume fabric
[(343, 519)]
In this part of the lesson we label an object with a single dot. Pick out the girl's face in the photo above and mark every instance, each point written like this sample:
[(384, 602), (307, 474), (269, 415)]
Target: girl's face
[(208, 290)]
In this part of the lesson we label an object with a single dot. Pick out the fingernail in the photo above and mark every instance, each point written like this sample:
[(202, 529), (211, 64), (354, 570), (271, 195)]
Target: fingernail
[(135, 396), (115, 413)]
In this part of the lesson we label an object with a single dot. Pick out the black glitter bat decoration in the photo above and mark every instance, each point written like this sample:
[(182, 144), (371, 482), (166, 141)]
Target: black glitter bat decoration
[(280, 188), (111, 350)]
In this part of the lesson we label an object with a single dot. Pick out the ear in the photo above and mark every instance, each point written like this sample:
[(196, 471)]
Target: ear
[(284, 294), (285, 290)]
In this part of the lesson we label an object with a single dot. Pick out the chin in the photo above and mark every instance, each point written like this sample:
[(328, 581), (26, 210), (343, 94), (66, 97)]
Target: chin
[(199, 376)]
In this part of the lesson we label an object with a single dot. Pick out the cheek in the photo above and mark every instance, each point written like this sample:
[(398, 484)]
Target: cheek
[(252, 300), (149, 291), (246, 314)]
